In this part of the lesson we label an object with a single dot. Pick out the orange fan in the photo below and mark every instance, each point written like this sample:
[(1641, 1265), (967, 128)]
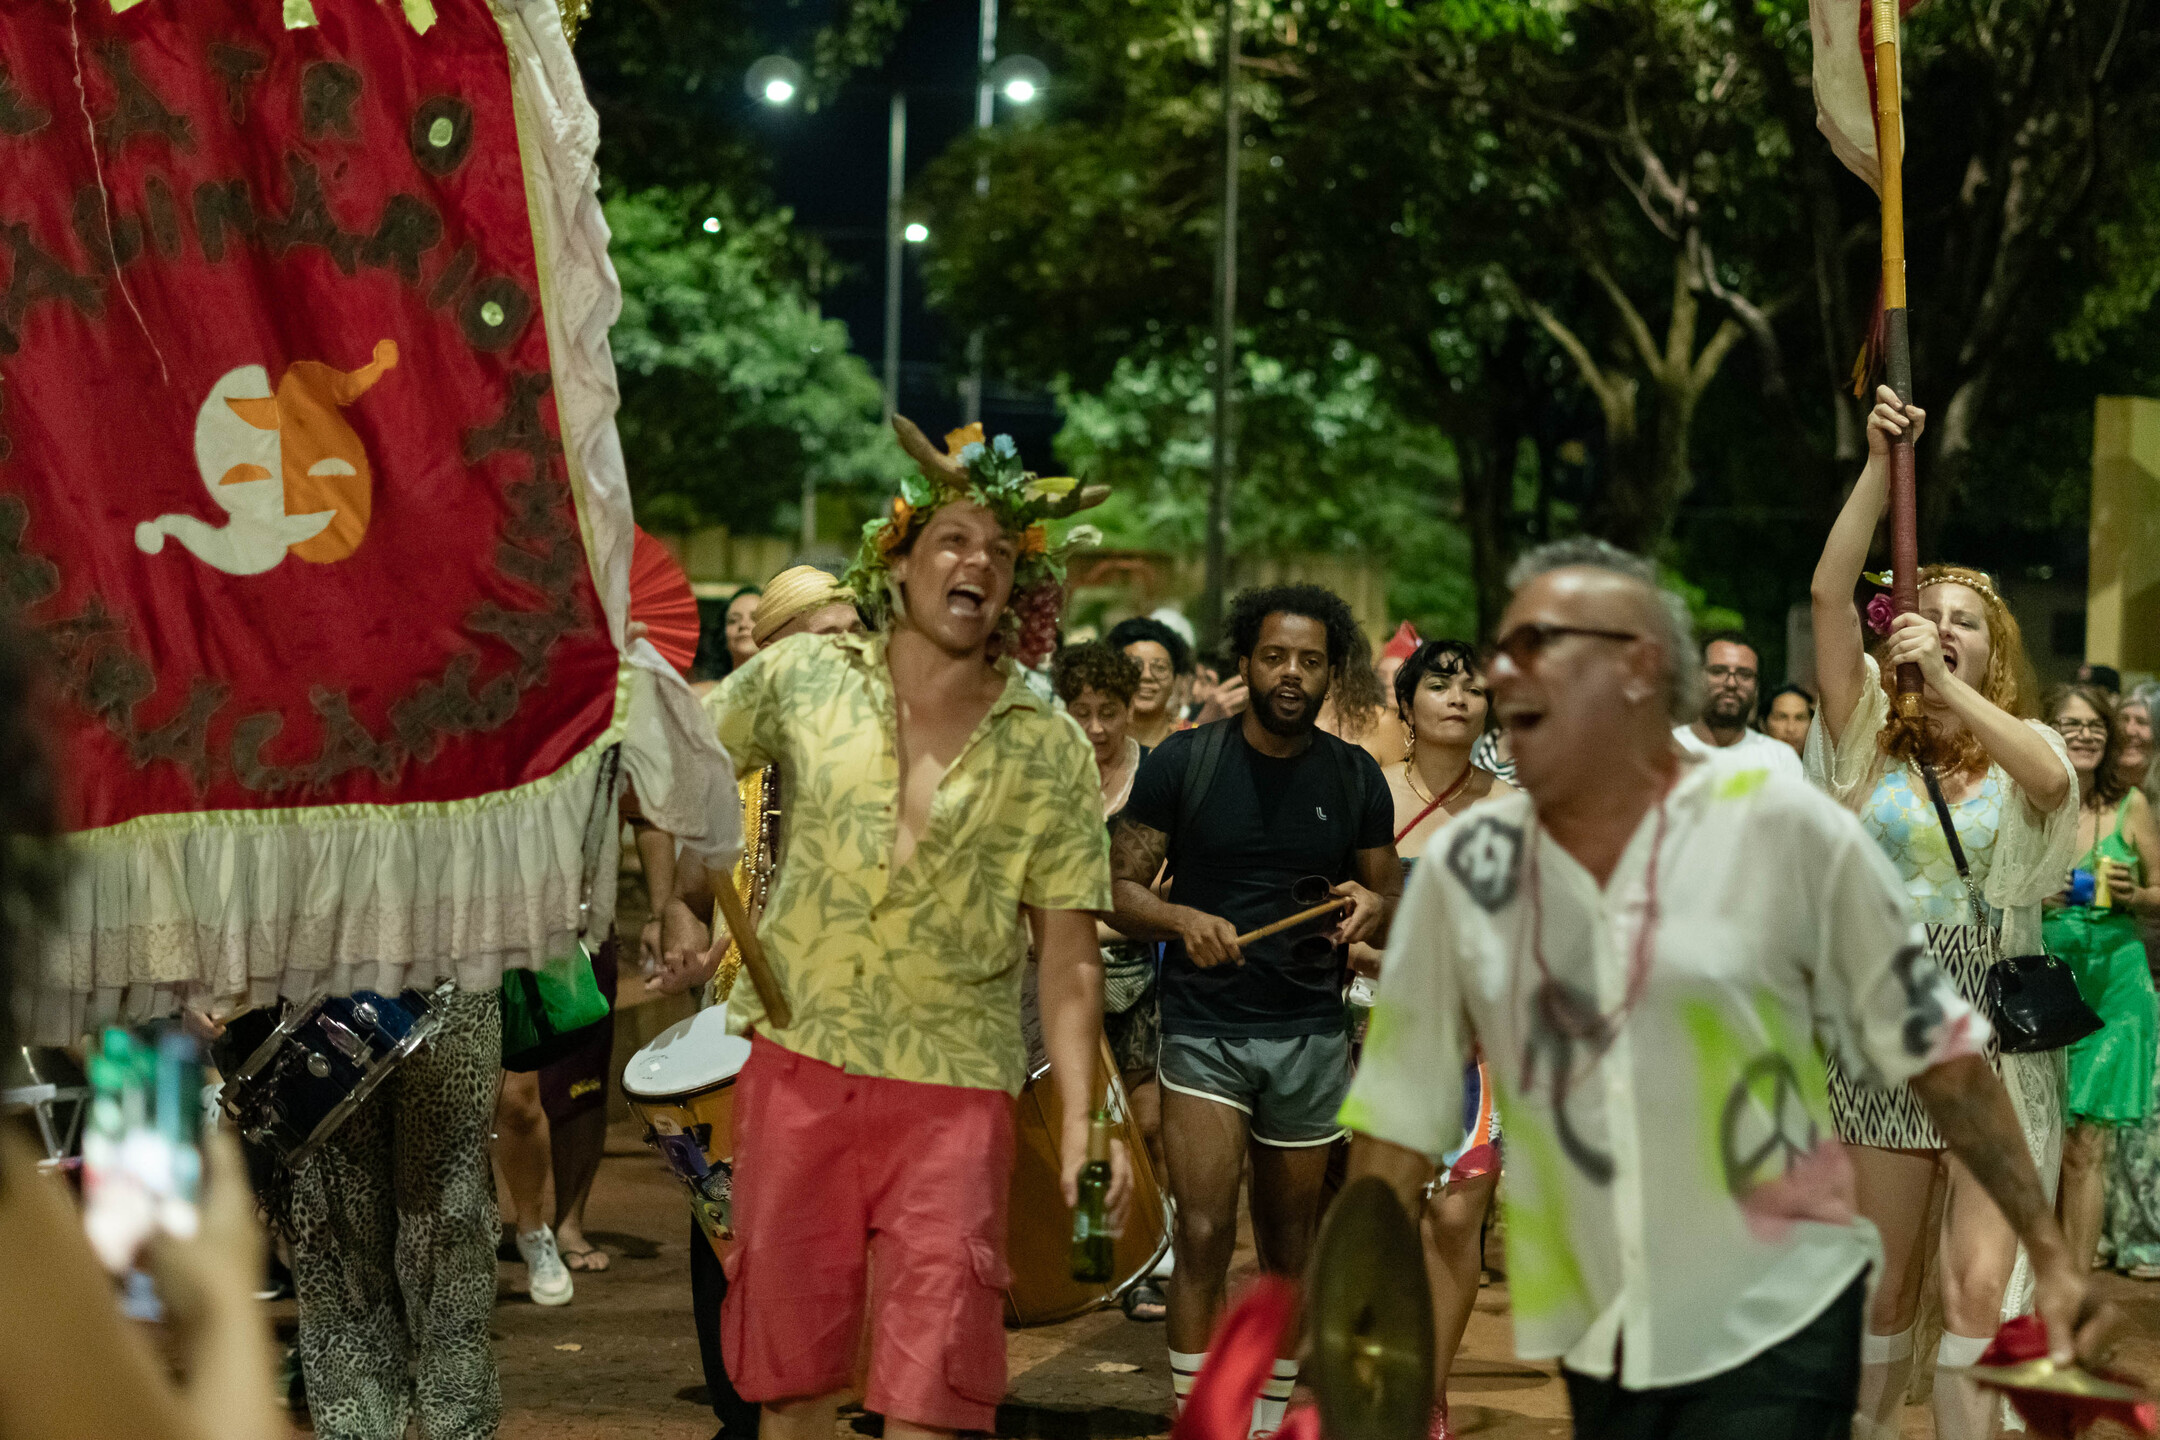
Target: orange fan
[(661, 601)]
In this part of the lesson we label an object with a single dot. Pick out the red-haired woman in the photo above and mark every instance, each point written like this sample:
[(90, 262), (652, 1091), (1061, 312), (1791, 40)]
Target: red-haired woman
[(2096, 933), (2006, 780)]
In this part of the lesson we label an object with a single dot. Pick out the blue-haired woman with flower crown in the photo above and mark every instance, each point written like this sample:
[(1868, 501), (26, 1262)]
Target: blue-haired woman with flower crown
[(2006, 782)]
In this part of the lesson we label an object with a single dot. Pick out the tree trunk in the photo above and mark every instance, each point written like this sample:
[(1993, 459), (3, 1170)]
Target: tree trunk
[(1487, 467), (1486, 425), (1942, 482), (1648, 476)]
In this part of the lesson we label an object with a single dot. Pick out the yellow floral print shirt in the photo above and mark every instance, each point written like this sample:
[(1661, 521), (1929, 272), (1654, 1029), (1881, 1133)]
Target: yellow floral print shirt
[(914, 976)]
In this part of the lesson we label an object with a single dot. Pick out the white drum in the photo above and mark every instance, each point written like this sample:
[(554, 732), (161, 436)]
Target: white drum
[(682, 1085)]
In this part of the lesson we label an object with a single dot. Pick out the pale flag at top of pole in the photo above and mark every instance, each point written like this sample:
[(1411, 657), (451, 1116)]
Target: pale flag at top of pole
[(1844, 32)]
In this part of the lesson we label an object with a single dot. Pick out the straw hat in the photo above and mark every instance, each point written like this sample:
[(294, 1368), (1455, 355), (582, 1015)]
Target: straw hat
[(792, 594)]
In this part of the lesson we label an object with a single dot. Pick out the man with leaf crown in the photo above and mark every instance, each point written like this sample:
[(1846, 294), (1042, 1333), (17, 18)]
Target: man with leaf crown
[(943, 818)]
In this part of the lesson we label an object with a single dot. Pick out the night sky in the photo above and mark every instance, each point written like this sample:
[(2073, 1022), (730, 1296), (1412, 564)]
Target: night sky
[(829, 167)]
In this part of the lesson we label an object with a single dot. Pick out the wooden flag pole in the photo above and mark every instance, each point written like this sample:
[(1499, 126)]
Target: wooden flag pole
[(1897, 340), (778, 1014)]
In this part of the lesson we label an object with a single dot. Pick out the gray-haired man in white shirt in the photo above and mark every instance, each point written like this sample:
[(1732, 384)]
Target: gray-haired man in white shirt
[(1650, 948)]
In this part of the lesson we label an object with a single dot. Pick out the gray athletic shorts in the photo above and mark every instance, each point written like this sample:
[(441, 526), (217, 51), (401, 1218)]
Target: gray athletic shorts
[(1291, 1086)]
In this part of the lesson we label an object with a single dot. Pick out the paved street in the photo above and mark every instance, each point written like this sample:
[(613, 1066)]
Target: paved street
[(621, 1360)]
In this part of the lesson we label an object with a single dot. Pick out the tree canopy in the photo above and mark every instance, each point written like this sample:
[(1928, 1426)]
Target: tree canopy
[(1598, 252), (735, 391), (1508, 268)]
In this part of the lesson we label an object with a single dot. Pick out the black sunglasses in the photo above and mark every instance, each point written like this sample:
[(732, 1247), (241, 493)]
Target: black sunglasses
[(1523, 644), (1313, 945)]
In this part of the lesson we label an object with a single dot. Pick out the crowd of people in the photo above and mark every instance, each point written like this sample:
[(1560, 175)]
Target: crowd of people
[(1720, 951)]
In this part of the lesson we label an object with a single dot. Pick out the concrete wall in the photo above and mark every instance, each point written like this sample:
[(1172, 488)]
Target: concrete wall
[(2122, 619), (1118, 583), (715, 556)]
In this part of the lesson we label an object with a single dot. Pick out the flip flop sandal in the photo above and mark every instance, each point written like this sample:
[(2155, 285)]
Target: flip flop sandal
[(1145, 1296), (589, 1261)]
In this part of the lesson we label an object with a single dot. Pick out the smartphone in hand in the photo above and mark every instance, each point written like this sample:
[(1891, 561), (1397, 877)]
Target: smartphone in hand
[(142, 1152)]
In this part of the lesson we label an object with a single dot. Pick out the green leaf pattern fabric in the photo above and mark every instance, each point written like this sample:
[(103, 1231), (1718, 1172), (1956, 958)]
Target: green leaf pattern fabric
[(914, 976)]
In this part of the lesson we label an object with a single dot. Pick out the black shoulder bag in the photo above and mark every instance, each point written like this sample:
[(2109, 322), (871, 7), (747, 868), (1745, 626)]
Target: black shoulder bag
[(2032, 1000)]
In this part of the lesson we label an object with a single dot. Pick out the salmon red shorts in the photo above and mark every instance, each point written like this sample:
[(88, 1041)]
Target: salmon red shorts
[(838, 1176)]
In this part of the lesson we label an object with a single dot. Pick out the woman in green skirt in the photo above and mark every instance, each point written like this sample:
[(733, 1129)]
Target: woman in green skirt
[(2095, 932), (2130, 1234)]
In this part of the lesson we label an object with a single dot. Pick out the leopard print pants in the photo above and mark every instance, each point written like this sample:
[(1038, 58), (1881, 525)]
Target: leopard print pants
[(394, 1227)]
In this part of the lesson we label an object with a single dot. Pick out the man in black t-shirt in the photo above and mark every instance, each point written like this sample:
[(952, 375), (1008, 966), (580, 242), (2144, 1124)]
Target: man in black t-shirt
[(1255, 1056)]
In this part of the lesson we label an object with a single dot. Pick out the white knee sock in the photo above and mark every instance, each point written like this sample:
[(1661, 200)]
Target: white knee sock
[(1267, 1411), (1885, 1365), (1184, 1369), (1963, 1411)]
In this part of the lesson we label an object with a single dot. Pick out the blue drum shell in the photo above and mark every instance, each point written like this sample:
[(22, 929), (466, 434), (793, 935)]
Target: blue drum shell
[(384, 1020)]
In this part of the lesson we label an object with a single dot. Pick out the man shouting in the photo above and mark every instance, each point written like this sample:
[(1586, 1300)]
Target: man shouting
[(1654, 953), (938, 813), (1255, 1056)]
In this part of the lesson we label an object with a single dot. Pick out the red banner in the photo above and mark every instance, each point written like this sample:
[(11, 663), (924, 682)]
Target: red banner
[(280, 476)]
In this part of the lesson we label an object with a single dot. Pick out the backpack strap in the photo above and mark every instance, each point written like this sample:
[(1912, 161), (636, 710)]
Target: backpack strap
[(1203, 759), (1349, 775)]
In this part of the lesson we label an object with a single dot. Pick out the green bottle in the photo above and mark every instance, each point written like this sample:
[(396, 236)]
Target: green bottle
[(1091, 1257)]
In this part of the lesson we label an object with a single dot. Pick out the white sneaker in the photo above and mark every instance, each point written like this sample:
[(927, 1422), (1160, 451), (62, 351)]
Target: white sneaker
[(547, 1277)]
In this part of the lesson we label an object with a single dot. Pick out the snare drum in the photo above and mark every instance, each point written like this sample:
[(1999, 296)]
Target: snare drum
[(1038, 1244), (682, 1086), (321, 1061)]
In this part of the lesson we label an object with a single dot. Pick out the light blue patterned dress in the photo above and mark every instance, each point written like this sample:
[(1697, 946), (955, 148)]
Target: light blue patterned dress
[(1901, 819)]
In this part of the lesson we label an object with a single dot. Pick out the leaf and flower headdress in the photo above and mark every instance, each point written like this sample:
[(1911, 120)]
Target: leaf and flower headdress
[(989, 474)]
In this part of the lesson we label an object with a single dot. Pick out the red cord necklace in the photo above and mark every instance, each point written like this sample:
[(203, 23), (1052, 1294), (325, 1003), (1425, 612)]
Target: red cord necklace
[(1562, 1008)]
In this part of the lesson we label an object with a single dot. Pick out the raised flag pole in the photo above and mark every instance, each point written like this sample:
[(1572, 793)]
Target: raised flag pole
[(1897, 341)]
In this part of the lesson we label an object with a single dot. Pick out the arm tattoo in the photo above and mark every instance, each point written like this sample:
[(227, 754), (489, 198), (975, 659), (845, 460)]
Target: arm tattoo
[(1136, 852)]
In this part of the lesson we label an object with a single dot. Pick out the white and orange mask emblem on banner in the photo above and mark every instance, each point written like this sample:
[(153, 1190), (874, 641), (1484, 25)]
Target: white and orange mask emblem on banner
[(287, 468)]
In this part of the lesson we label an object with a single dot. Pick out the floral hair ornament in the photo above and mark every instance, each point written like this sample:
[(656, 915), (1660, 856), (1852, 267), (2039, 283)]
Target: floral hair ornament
[(1881, 610), (989, 474)]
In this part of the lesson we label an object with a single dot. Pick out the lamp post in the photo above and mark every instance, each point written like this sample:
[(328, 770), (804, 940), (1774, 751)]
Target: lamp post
[(1021, 79), (895, 185), (776, 80), (1225, 446)]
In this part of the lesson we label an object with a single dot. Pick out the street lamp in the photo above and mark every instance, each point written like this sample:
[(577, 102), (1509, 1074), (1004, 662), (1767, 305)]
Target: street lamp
[(774, 79), (1021, 79), (777, 80)]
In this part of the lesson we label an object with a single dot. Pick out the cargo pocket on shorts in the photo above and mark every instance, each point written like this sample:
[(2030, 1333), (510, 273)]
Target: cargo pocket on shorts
[(975, 1363)]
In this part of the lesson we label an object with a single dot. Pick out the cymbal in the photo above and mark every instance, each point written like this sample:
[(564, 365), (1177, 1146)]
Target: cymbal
[(1371, 1366), (2043, 1376)]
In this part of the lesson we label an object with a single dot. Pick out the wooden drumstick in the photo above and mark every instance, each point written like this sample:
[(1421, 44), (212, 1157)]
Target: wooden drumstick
[(777, 1013), (1298, 919)]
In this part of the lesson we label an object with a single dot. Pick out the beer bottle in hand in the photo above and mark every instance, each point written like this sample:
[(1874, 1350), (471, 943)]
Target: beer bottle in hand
[(1091, 1259)]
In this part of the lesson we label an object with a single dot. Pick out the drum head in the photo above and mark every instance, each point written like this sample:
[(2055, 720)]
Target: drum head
[(692, 1054)]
